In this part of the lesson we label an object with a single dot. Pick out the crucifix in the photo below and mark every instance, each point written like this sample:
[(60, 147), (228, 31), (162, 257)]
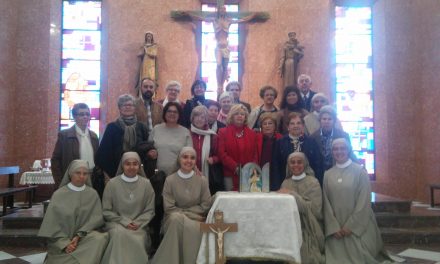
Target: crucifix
[(221, 20), (219, 228)]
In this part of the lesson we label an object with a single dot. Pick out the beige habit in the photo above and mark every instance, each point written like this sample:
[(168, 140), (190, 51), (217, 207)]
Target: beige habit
[(74, 212), (347, 203), (308, 196), (186, 202), (125, 202)]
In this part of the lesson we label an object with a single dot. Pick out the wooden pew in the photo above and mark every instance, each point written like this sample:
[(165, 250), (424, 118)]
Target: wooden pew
[(8, 192)]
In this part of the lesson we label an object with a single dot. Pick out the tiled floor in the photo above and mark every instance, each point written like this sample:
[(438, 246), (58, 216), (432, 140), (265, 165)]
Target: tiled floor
[(15, 255), (22, 255), (36, 255)]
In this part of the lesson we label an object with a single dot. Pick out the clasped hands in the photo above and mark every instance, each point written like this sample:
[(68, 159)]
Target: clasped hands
[(132, 226), (342, 233), (72, 245)]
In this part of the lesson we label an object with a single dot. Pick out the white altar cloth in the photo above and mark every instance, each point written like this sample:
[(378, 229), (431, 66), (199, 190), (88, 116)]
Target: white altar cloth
[(269, 227), (37, 177)]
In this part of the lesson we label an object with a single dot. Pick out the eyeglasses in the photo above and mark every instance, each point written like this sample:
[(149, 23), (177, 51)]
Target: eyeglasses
[(83, 114), (173, 90), (128, 105)]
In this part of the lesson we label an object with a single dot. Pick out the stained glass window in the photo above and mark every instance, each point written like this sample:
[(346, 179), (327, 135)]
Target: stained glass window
[(354, 80), (208, 63), (81, 60)]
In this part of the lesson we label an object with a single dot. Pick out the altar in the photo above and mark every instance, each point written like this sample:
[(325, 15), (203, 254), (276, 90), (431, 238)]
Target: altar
[(269, 227)]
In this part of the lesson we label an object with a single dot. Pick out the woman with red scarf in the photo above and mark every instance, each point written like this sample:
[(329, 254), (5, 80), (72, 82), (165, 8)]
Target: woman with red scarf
[(267, 137), (237, 146)]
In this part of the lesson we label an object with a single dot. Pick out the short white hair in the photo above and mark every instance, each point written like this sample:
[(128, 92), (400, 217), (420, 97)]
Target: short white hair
[(173, 83), (304, 76), (224, 95)]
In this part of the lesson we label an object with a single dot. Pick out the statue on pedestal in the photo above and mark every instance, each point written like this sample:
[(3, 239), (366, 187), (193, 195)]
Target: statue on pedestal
[(148, 55), (291, 55)]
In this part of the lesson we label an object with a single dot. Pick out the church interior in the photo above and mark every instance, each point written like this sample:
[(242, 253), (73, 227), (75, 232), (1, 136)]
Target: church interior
[(405, 67)]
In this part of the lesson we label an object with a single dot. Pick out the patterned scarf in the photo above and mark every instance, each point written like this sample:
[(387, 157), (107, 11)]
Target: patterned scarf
[(129, 127), (326, 140), (296, 142)]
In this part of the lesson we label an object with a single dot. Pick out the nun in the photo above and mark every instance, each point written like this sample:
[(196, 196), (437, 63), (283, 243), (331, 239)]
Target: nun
[(351, 232), (128, 207), (73, 218), (301, 184), (186, 200)]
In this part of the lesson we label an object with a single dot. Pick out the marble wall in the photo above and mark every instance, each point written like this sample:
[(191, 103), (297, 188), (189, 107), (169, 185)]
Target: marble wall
[(406, 67), (8, 28), (178, 58), (406, 64), (29, 80)]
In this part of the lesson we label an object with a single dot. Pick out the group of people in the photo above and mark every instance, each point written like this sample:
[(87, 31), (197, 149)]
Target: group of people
[(173, 156)]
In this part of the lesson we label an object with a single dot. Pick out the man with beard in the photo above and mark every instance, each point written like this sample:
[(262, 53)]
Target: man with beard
[(148, 111)]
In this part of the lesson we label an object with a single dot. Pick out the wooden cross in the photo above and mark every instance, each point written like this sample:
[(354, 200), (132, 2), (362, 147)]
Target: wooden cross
[(219, 228), (221, 20)]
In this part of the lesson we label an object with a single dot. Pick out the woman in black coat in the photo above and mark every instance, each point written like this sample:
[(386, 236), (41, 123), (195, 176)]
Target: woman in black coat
[(123, 135)]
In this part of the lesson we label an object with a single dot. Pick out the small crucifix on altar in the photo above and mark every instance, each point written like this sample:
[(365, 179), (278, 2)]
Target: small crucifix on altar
[(221, 20), (219, 228)]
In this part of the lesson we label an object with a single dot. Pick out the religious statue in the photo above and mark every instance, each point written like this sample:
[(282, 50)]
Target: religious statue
[(219, 234), (255, 181), (290, 57), (221, 23), (148, 55)]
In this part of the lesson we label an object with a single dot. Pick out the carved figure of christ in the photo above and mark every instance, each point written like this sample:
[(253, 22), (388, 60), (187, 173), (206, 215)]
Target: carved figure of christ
[(219, 228), (221, 20)]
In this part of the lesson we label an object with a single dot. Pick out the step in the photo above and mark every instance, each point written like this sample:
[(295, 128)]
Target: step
[(24, 218), (407, 220), (411, 236), (381, 203), (20, 237)]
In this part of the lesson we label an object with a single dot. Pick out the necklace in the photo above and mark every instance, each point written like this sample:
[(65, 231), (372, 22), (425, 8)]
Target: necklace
[(239, 135), (130, 187)]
